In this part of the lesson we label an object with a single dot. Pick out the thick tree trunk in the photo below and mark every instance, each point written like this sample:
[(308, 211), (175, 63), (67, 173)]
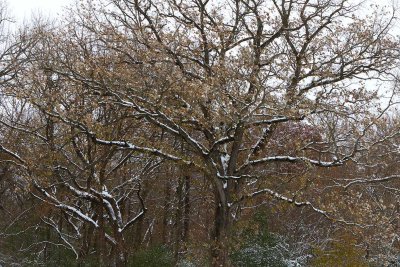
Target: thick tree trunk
[(222, 225), (119, 253), (224, 191)]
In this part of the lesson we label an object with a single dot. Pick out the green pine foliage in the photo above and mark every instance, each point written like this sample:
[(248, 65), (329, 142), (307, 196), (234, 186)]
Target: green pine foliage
[(259, 247)]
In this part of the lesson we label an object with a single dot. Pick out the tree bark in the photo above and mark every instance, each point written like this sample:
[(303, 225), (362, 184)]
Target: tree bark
[(167, 200), (119, 253), (101, 242), (186, 216), (222, 225), (178, 218)]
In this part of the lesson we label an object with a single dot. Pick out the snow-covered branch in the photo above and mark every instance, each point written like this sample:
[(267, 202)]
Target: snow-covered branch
[(290, 159), (58, 204), (12, 154), (286, 199), (371, 180)]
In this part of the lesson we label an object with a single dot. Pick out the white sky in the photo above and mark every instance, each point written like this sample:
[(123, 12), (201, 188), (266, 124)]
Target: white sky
[(23, 9)]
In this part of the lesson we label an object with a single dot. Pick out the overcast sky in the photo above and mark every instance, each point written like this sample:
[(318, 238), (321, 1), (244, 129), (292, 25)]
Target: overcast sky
[(22, 9)]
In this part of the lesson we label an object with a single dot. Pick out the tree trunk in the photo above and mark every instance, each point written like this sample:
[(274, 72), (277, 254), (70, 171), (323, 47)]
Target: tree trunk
[(139, 233), (186, 218), (119, 253), (178, 218), (140, 222), (101, 241), (167, 204), (87, 239), (222, 225)]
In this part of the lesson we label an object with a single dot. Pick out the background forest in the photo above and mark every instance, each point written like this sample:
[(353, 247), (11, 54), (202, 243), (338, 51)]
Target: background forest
[(201, 133)]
